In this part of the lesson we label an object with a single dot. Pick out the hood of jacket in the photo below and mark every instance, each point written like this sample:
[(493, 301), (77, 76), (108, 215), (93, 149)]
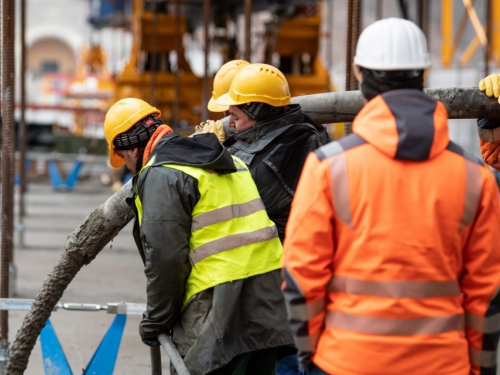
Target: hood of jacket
[(201, 150), (275, 126), (404, 124)]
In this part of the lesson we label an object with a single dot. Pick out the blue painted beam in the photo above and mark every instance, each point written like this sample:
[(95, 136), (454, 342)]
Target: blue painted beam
[(54, 360), (104, 359)]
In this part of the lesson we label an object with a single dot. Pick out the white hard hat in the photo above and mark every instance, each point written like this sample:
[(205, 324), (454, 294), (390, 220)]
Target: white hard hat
[(392, 44)]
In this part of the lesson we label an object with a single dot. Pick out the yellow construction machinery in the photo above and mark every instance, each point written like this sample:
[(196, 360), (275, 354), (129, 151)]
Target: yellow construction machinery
[(159, 73)]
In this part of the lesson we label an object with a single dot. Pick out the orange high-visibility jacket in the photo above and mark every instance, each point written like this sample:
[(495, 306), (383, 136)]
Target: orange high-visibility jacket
[(489, 141), (392, 252)]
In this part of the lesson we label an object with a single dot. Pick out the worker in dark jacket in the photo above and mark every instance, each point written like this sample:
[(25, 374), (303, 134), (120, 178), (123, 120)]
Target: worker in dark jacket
[(273, 137), (211, 255)]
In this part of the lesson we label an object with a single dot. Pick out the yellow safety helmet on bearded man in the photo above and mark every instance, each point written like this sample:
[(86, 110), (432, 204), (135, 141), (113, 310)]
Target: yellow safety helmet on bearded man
[(222, 83), (258, 83), (121, 117)]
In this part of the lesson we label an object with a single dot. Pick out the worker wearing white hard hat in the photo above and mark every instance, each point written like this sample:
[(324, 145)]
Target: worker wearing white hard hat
[(391, 261)]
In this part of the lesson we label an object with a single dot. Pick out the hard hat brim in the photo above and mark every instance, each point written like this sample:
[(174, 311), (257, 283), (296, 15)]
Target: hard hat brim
[(214, 107), (114, 159), (226, 100), (387, 67)]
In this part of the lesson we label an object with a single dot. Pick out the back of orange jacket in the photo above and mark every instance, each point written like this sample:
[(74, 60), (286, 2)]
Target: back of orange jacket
[(392, 254)]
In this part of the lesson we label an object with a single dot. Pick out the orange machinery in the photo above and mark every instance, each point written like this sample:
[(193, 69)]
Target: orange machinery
[(154, 34)]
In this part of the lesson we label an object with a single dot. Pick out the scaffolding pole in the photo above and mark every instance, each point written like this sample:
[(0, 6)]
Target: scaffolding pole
[(248, 30), (487, 47), (153, 55), (206, 23), (7, 174), (353, 31), (177, 45), (22, 129)]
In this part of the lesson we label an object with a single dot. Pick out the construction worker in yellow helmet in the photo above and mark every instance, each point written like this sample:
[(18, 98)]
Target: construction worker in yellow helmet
[(222, 83), (273, 137), (209, 249), (489, 129)]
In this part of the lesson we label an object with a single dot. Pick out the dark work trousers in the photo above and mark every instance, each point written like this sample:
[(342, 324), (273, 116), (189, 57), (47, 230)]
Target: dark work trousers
[(261, 362)]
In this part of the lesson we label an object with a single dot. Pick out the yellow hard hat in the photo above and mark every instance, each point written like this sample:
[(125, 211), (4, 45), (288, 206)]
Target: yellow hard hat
[(222, 83), (121, 117), (258, 83)]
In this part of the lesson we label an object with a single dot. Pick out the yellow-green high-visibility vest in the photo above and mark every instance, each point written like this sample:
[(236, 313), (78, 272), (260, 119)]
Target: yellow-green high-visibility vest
[(232, 237)]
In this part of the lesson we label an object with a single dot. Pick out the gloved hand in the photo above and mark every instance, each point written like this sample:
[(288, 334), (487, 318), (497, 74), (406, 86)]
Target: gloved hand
[(153, 342), (211, 126), (491, 85)]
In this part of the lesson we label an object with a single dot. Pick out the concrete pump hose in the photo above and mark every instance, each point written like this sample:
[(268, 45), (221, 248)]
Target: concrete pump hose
[(82, 246)]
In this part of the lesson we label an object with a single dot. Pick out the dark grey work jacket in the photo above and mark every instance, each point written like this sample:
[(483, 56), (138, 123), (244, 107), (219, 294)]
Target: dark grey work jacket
[(275, 150), (221, 322)]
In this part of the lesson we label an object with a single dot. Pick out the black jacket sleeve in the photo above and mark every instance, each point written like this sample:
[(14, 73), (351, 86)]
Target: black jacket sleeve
[(168, 197)]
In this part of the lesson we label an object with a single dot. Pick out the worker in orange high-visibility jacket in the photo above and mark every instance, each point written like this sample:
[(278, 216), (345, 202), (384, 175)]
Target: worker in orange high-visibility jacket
[(392, 249)]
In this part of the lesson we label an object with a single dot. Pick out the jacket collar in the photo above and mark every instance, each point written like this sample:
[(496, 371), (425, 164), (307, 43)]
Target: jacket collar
[(404, 124)]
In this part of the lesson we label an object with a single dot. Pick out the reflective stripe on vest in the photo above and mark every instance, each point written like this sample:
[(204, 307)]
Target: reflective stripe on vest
[(232, 237)]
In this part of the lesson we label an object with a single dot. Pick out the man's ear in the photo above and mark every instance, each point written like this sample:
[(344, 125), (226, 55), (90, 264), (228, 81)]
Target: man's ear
[(134, 152), (357, 72)]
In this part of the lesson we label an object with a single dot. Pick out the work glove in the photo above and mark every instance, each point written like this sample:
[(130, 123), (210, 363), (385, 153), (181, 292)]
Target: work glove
[(211, 126), (491, 86), (153, 342)]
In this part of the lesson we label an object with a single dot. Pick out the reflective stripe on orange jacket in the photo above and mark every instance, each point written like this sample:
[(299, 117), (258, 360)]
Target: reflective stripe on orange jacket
[(392, 253)]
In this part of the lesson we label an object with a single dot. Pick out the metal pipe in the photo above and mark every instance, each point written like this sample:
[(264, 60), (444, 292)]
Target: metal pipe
[(348, 53), (177, 44), (353, 31), (206, 22), (153, 54), (22, 129), (404, 9), (7, 155), (356, 30), (329, 13), (460, 102), (155, 360), (487, 47), (423, 17), (248, 29), (173, 354), (379, 9)]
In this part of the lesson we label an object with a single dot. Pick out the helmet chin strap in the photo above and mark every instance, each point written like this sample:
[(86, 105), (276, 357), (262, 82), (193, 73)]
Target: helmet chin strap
[(138, 164)]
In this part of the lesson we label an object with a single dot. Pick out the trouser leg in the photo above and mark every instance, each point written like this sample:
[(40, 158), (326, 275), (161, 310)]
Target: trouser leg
[(237, 366), (263, 362), (260, 362)]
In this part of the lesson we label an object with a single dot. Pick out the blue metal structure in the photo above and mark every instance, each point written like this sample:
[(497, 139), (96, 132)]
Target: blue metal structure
[(103, 361), (58, 182), (54, 360)]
